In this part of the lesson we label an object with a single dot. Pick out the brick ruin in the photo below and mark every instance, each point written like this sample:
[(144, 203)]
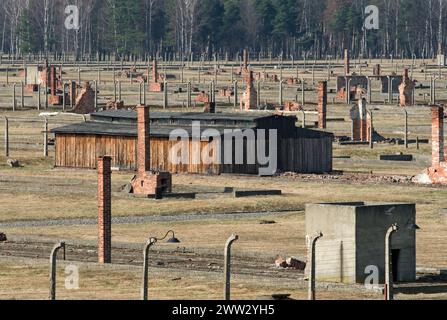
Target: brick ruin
[(203, 97), (437, 173), (356, 83), (250, 96), (85, 102), (292, 106), (104, 210), (360, 124), (115, 105), (406, 90), (156, 83), (53, 98), (147, 182)]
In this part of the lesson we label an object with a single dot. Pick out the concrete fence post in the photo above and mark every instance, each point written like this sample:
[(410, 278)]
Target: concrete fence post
[(95, 85), (389, 292), (14, 102), (304, 119), (280, 92), (140, 94), (46, 95), (189, 94), (45, 137), (63, 96), (165, 95), (144, 289), (227, 266), (406, 128), (311, 291), (120, 97), (348, 90), (235, 85), (6, 136), (22, 95), (39, 98), (53, 258), (303, 92), (371, 129)]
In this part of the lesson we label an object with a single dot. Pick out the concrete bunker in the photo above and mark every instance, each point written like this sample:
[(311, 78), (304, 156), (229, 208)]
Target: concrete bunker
[(354, 240)]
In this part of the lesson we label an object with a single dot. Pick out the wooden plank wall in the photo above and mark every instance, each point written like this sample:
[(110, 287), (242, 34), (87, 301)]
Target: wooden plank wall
[(299, 154)]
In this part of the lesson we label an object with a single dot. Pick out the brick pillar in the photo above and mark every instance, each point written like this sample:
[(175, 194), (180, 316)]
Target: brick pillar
[(144, 152), (53, 80), (322, 104), (104, 210), (347, 62), (437, 114)]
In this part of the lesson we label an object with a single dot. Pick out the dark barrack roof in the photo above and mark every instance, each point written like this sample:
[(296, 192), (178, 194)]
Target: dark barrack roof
[(130, 130), (132, 115)]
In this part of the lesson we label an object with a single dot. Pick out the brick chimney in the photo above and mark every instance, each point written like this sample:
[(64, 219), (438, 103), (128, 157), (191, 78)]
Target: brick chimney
[(347, 63), (144, 149), (53, 80), (437, 114), (405, 74), (322, 104), (104, 210)]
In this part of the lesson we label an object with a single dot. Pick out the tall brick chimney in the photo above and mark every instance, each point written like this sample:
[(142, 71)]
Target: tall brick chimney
[(104, 210), (53, 80), (144, 149), (347, 63), (322, 104), (437, 114)]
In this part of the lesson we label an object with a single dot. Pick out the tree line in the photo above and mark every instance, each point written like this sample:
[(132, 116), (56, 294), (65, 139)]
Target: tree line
[(311, 28)]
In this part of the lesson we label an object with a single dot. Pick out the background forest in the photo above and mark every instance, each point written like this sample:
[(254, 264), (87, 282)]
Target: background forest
[(315, 28)]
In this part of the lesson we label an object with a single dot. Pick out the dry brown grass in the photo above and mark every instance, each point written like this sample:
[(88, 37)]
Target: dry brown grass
[(28, 279)]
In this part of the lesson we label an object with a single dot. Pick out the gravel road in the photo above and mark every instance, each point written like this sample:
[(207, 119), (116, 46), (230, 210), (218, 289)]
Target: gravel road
[(142, 219)]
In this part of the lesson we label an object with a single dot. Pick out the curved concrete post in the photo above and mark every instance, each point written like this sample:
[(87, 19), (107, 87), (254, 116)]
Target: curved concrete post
[(280, 92), (22, 95), (311, 292), (144, 288), (406, 128), (14, 100), (303, 94), (235, 85), (369, 90), (45, 137), (227, 266), (348, 90), (6, 136), (389, 293), (371, 129), (53, 257)]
